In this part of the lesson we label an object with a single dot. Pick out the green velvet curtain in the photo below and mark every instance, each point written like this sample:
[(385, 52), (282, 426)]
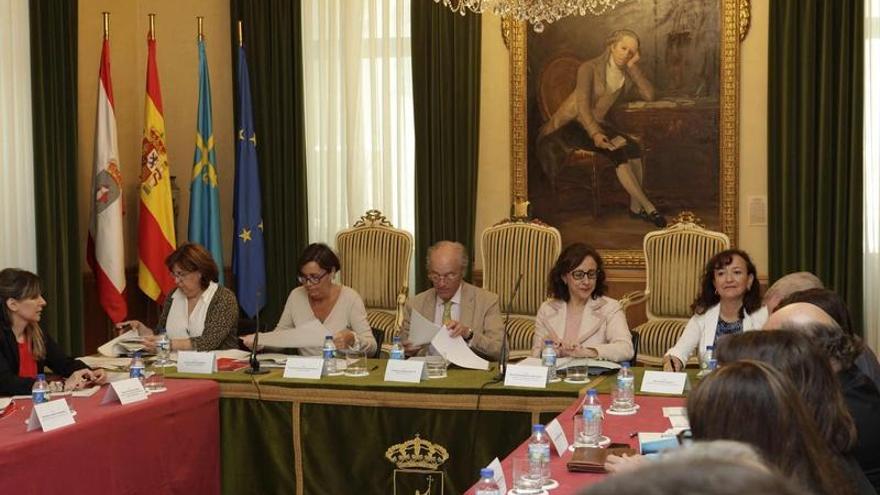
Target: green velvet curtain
[(273, 43), (815, 142), (446, 108), (53, 31)]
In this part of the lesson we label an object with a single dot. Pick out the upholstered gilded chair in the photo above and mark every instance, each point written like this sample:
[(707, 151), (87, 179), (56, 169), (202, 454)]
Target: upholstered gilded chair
[(512, 247), (675, 258), (375, 260)]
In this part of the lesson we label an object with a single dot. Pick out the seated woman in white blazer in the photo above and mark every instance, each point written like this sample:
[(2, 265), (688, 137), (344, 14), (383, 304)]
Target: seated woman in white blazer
[(579, 319), (729, 302)]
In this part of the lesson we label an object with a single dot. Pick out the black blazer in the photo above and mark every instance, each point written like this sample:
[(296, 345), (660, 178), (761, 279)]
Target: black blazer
[(863, 401), (56, 360)]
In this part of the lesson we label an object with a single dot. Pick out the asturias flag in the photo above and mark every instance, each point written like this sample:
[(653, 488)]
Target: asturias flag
[(204, 205), (105, 249), (248, 258), (156, 238)]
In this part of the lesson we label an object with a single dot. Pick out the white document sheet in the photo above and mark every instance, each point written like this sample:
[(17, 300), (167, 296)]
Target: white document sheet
[(568, 362), (309, 334), (237, 354), (115, 347), (457, 352), (421, 331)]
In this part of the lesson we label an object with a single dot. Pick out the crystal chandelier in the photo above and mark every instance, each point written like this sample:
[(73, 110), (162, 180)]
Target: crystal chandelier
[(536, 12)]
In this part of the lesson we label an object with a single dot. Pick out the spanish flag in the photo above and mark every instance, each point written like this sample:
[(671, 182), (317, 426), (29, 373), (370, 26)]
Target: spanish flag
[(156, 222)]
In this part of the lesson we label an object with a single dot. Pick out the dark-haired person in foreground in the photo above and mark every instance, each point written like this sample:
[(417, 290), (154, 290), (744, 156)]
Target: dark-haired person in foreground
[(339, 308), (719, 467), (25, 349), (579, 319), (861, 395), (729, 302), (198, 314), (809, 369)]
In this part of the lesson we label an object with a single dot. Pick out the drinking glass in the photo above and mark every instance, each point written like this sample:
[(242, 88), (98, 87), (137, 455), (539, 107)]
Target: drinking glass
[(576, 374), (526, 482), (436, 366), (155, 377), (356, 362)]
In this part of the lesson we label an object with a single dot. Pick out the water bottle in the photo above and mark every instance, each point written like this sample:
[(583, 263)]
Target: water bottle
[(487, 485), (136, 368), (592, 417), (396, 348), (163, 348), (40, 390), (539, 454), (625, 399), (708, 362), (548, 359), (329, 356)]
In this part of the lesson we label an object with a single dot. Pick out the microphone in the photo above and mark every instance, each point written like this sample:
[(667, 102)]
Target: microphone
[(505, 351), (255, 363)]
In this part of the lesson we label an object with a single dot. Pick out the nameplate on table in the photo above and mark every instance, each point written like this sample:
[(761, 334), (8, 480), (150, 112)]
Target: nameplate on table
[(409, 371), (50, 415), (521, 375), (196, 362), (309, 368), (664, 382), (125, 391), (557, 436), (498, 473)]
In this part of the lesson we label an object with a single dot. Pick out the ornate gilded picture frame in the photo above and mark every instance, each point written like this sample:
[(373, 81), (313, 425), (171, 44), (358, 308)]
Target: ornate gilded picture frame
[(680, 139)]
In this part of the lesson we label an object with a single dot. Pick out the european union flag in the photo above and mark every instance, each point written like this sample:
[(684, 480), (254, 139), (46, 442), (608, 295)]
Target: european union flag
[(204, 205), (248, 257)]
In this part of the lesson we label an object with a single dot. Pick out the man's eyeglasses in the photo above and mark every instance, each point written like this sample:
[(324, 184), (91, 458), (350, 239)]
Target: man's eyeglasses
[(446, 277), (580, 274), (311, 279)]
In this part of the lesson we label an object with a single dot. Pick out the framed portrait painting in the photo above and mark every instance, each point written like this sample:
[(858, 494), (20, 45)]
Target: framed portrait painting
[(623, 120)]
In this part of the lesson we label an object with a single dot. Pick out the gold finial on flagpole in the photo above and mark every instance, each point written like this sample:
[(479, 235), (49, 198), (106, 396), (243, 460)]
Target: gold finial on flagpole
[(200, 20), (106, 25), (239, 34), (152, 35)]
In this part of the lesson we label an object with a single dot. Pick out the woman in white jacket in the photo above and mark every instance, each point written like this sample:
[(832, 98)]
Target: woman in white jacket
[(579, 319), (729, 302)]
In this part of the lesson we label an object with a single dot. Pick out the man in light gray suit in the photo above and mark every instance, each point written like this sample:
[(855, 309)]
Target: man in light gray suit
[(467, 311)]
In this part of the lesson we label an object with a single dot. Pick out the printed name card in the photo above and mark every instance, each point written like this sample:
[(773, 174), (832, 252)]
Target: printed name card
[(664, 382), (495, 466), (410, 371), (50, 415), (309, 368), (521, 375), (196, 362), (125, 391), (557, 436)]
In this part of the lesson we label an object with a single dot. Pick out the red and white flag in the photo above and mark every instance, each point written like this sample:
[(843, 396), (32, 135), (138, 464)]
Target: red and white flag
[(105, 250)]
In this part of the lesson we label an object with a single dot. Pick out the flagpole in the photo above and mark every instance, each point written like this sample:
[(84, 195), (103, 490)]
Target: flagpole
[(106, 16), (152, 35), (200, 20), (239, 34)]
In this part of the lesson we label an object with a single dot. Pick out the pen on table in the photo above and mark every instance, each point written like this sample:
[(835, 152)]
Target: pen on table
[(634, 434), (374, 368)]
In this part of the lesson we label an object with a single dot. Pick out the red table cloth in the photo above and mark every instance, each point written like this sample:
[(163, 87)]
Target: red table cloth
[(169, 443), (618, 428)]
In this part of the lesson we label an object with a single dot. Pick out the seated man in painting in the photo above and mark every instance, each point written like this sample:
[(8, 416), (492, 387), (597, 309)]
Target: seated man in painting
[(581, 122)]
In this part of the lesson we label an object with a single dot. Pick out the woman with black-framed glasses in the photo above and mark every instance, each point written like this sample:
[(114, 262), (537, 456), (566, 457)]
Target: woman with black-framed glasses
[(579, 319), (339, 308)]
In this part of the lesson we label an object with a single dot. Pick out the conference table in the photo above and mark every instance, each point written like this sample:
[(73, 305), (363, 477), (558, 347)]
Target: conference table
[(619, 429), (168, 443), (281, 435)]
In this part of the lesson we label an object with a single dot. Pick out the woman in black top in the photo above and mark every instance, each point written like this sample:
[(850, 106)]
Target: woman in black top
[(25, 350)]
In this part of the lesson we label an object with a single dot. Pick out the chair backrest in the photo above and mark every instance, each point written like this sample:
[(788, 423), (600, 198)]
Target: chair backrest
[(375, 260), (556, 82), (675, 258), (516, 246)]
